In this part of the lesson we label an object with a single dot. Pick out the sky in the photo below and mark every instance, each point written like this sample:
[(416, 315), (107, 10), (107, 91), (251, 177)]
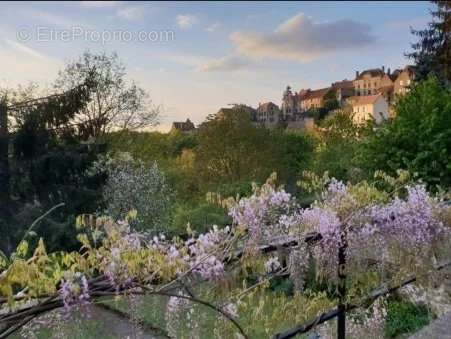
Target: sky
[(196, 57)]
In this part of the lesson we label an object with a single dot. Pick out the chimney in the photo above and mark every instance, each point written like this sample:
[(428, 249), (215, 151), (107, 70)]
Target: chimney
[(383, 69), (356, 74)]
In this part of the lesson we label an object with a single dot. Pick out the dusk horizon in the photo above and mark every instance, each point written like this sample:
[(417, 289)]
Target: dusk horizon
[(195, 58)]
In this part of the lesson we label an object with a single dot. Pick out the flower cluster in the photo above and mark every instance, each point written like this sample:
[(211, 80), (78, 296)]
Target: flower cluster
[(272, 264), (366, 220), (412, 221), (231, 309), (74, 290), (266, 213), (205, 256), (125, 241)]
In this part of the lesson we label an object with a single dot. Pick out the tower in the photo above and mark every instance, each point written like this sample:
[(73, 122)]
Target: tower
[(288, 104)]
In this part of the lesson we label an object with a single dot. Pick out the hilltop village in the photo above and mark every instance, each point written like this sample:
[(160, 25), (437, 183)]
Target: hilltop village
[(369, 95)]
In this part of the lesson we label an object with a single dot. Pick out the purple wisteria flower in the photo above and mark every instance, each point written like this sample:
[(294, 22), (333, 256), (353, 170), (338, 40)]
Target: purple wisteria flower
[(74, 290), (411, 221)]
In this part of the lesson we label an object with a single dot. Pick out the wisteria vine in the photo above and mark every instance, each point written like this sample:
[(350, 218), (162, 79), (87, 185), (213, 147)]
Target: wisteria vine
[(396, 231)]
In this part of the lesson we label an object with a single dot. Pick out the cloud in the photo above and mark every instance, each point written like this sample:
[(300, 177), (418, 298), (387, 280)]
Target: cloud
[(99, 4), (227, 63), (300, 39), (214, 27), (22, 64), (24, 49), (130, 13), (185, 21), (52, 19)]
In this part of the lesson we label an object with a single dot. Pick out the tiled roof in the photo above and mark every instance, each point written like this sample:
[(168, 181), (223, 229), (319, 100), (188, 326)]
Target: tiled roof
[(343, 84), (266, 106), (183, 126), (375, 72), (317, 93), (393, 75)]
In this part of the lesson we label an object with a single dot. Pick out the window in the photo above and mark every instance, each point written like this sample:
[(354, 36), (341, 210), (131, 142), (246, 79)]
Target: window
[(408, 82), (401, 82)]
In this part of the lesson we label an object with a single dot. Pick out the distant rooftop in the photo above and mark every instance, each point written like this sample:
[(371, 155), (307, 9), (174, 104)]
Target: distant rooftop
[(183, 126)]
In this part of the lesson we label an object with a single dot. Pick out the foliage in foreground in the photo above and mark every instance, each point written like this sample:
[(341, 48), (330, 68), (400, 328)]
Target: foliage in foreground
[(418, 139), (132, 185), (404, 317), (389, 234)]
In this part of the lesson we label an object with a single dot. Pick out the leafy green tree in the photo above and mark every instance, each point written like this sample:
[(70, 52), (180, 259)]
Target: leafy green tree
[(330, 103), (133, 185), (231, 149), (432, 52), (200, 218), (47, 163), (418, 139), (116, 103), (294, 154), (337, 141)]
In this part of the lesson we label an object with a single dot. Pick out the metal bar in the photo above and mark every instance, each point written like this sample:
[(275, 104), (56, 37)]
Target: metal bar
[(328, 315), (341, 317)]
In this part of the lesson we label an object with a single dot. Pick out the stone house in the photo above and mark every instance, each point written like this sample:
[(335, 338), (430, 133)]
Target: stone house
[(372, 81), (344, 89), (290, 105), (403, 81), (313, 98), (269, 114), (369, 107), (377, 87)]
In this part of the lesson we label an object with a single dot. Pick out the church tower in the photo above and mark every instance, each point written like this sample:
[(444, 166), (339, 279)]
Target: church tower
[(288, 104)]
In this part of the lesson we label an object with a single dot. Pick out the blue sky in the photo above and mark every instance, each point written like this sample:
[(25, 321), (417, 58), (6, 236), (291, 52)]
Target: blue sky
[(220, 53)]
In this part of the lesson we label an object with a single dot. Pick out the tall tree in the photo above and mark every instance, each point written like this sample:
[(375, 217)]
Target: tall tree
[(115, 102), (418, 140), (4, 161), (231, 149), (432, 52), (338, 138), (47, 162)]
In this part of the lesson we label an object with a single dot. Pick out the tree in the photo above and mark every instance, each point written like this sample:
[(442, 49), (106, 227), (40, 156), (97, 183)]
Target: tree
[(418, 139), (46, 162), (293, 152), (4, 161), (330, 103), (115, 102), (432, 53), (338, 138), (132, 185), (231, 149)]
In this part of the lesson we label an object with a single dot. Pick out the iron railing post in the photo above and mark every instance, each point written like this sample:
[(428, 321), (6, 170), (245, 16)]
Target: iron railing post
[(341, 317)]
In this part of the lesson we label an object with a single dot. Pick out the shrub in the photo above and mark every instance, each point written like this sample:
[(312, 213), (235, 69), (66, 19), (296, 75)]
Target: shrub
[(132, 185), (405, 317), (200, 218), (418, 139)]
